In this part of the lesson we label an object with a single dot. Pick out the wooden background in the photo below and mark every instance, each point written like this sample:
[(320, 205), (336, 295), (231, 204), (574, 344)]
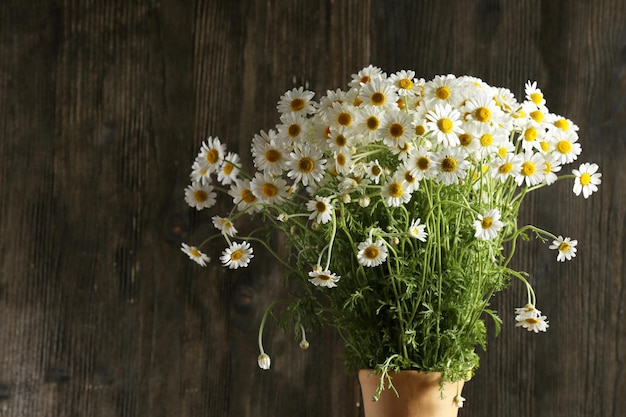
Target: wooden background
[(102, 107)]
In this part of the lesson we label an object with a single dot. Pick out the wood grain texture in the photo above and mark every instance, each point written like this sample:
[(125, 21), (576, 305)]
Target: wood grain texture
[(103, 105)]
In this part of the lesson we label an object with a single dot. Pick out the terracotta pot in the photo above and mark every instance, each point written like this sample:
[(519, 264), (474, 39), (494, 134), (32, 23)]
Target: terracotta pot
[(419, 395)]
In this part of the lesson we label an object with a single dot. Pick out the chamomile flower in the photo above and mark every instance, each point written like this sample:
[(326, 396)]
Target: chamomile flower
[(487, 225), (418, 231), (297, 101), (482, 112), (396, 129), (378, 93), (567, 147), (534, 94), (343, 162), (445, 124), (566, 247), (323, 278), (372, 253), (339, 139), (292, 128), (395, 192), (458, 400), (374, 171), (531, 169), (243, 197), (450, 165), (587, 179), (200, 196), (224, 225), (340, 114), (369, 120), (442, 89), (504, 168), (229, 169), (420, 163), (237, 255), (268, 189), (195, 254), (404, 82), (321, 208), (366, 75), (306, 164), (200, 172), (211, 154), (529, 310), (552, 166), (269, 156), (264, 361), (532, 323)]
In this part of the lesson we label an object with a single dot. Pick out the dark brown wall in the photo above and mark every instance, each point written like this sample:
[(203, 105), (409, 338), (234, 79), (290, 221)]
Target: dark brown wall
[(102, 107)]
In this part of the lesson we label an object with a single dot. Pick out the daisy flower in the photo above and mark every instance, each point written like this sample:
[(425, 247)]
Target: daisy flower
[(339, 139), (292, 128), (396, 129), (264, 361), (482, 112), (229, 169), (243, 197), (418, 231), (395, 192), (504, 168), (269, 189), (343, 162), (270, 156), (211, 154), (487, 225), (528, 310), (372, 253), (445, 124), (534, 94), (237, 255), (297, 101), (404, 82), (532, 323), (441, 89), (567, 147), (306, 164), (458, 400), (366, 75), (195, 254), (200, 196), (323, 278), (200, 172), (340, 114), (378, 93), (224, 225), (531, 169), (587, 179), (552, 165), (566, 248), (374, 171), (420, 163), (369, 120), (321, 209), (450, 165)]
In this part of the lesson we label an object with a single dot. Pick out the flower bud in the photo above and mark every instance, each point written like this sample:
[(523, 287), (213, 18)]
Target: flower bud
[(364, 201), (304, 345), (264, 361)]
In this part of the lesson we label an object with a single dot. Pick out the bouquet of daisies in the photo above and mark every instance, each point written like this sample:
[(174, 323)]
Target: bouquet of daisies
[(398, 201)]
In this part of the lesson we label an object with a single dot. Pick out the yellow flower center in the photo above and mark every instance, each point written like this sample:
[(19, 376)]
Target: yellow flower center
[(530, 134), (297, 104), (562, 124), (195, 253), (564, 247), (236, 255), (341, 159), (344, 119), (341, 140), (200, 196), (442, 93), (545, 146), (448, 164), (486, 222), (406, 84), (585, 179), (486, 139), (537, 116), (372, 123), (365, 79), (247, 196), (408, 177), (320, 207), (445, 125), (548, 167), (294, 130), (536, 98), (528, 169), (306, 164), (323, 277), (401, 103), (420, 130), (228, 168), (272, 155), (371, 252), (423, 163), (531, 320), (269, 190), (395, 190), (396, 130), (212, 156), (482, 114), (378, 99), (505, 168), (466, 139), (502, 152), (564, 146), (376, 170)]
